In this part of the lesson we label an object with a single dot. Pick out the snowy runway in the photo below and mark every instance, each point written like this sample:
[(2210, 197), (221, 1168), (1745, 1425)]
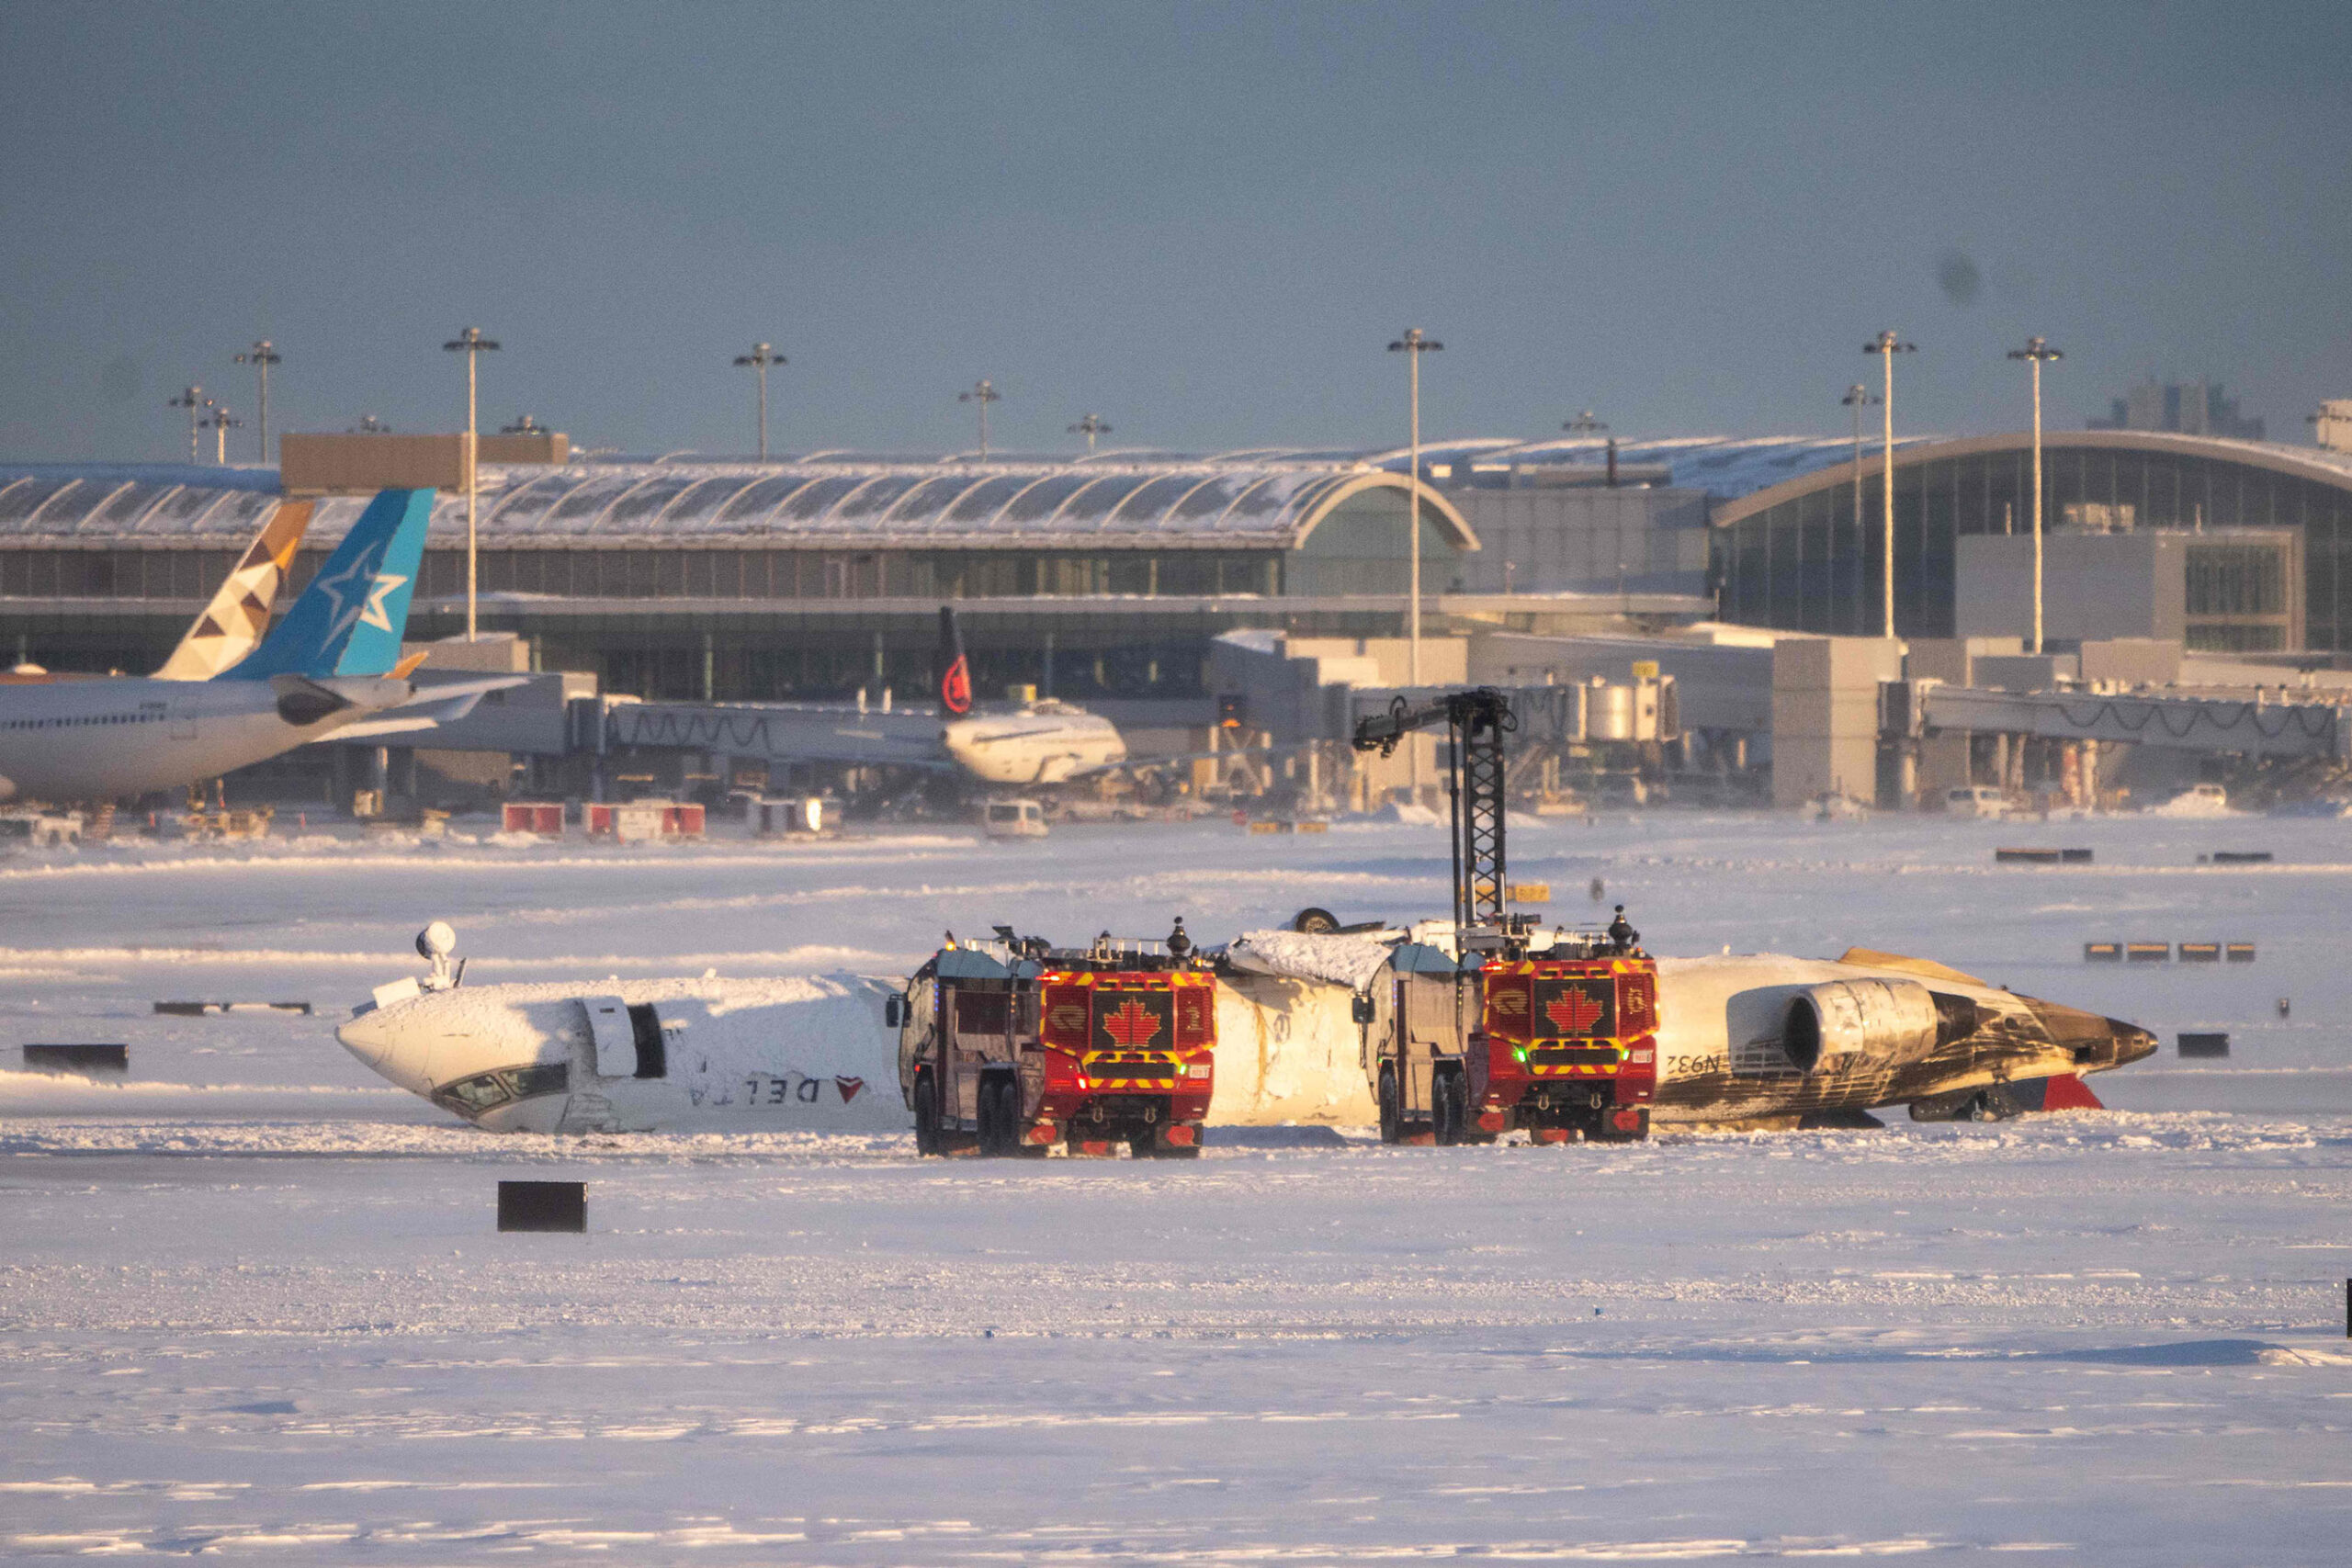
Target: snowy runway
[(253, 1305)]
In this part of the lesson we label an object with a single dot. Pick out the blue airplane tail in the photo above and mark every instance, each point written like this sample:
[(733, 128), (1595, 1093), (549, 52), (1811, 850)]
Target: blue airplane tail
[(349, 620)]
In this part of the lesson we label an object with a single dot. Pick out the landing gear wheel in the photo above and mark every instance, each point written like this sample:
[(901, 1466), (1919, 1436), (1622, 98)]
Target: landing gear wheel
[(1314, 921), (1392, 1128), (926, 1114), (1992, 1104)]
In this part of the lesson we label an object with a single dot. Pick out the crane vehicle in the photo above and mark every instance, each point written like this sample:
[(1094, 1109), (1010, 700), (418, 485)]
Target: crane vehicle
[(1554, 1033), (1012, 1046)]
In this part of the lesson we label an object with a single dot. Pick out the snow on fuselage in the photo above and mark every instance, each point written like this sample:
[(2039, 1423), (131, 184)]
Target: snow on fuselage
[(636, 1056), (802, 1054)]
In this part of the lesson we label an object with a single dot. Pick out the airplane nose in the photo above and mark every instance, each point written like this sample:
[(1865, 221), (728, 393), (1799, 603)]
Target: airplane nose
[(2131, 1042), (2095, 1042), (377, 1040)]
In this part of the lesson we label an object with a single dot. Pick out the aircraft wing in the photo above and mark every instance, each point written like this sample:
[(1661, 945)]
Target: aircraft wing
[(443, 701), (1172, 758)]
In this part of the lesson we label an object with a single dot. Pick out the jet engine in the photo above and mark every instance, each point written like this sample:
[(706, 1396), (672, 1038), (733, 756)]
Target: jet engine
[(1871, 1023)]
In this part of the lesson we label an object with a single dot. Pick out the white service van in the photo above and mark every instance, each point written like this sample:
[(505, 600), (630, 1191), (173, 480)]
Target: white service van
[(1014, 819), (1975, 800)]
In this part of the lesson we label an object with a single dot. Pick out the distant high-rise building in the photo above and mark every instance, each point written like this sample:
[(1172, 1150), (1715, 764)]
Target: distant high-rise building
[(2194, 408), (2331, 426)]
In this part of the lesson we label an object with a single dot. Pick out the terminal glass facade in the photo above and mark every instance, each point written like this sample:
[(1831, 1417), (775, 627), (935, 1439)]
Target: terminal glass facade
[(1805, 565)]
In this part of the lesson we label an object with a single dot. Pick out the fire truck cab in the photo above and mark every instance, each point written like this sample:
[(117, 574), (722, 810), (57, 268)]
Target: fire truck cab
[(1568, 1043), (1558, 1041), (1011, 1047)]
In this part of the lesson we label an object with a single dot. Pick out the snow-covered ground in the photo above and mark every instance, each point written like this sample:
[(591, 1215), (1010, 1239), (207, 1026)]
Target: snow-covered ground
[(252, 1302)]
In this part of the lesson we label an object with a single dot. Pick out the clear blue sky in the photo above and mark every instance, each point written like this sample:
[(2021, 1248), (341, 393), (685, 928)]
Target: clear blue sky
[(1202, 222)]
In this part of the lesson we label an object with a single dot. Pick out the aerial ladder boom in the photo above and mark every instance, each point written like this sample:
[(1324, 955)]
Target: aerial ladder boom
[(1476, 721)]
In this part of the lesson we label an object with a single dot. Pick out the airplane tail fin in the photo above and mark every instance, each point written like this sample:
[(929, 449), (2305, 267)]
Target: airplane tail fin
[(956, 680), (233, 624), (349, 620)]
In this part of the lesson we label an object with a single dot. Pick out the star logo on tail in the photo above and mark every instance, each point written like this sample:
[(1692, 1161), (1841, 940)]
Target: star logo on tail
[(375, 615)]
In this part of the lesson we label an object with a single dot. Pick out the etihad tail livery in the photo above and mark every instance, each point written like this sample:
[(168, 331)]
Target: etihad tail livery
[(233, 624), (333, 663)]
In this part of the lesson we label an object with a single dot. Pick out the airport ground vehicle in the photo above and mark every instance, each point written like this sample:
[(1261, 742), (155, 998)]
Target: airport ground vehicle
[(1976, 800), (1012, 1046), (1014, 819), (1554, 1033)]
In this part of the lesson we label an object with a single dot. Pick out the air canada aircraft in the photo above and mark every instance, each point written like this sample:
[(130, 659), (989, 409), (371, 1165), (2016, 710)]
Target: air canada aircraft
[(332, 667), (1756, 1042), (1040, 741)]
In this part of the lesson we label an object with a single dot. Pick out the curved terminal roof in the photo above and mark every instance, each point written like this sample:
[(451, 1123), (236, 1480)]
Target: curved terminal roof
[(2305, 462), (1269, 497), (1195, 503)]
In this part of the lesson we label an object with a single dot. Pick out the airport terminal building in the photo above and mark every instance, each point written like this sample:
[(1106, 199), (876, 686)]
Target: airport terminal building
[(1099, 580), (1106, 580), (2229, 546)]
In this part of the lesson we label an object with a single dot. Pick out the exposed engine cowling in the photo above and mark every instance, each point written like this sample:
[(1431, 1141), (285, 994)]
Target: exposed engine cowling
[(1872, 1023)]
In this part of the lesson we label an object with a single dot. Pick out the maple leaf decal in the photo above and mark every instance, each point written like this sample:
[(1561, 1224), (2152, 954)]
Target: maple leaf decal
[(1133, 1025), (1574, 1011)]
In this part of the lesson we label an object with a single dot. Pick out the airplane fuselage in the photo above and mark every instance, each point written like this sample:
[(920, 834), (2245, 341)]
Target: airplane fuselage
[(122, 734), (1046, 743), (811, 1053)]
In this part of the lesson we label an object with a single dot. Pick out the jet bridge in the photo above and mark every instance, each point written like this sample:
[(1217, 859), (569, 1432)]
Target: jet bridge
[(2252, 728), (776, 731)]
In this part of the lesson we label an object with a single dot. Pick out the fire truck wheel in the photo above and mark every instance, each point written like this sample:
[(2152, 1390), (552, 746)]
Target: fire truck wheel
[(1391, 1122), (1605, 1126), (1446, 1109), (926, 1114), (997, 1119), (1144, 1146)]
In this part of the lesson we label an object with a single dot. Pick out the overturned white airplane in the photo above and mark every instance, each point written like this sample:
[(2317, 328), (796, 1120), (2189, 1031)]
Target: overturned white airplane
[(1753, 1042)]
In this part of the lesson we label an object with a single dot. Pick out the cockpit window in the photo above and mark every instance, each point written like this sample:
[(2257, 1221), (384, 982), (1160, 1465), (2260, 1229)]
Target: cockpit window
[(547, 1077), (473, 1098)]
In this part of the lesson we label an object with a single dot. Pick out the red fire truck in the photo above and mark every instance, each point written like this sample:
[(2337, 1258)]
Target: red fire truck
[(1555, 1034), (1011, 1047), (1569, 1046)]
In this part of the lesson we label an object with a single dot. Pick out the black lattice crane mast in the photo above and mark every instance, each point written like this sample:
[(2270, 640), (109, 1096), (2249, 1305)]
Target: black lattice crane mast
[(1477, 721)]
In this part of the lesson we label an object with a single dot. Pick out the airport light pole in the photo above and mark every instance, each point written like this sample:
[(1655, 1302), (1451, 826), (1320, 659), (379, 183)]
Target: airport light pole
[(220, 424), (473, 345), (370, 425), (1090, 425), (524, 425), (1858, 397), (983, 393), (192, 400), (1889, 344), (261, 356), (760, 358), (1585, 425), (1412, 345), (2035, 351)]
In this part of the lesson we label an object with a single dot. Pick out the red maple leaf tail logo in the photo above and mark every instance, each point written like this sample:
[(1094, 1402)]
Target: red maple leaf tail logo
[(849, 1087), (1131, 1026)]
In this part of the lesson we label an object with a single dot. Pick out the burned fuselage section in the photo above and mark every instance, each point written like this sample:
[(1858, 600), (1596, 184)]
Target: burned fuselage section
[(1765, 1037)]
